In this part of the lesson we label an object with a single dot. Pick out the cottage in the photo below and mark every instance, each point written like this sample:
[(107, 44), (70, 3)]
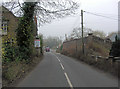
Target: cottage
[(112, 36), (8, 26)]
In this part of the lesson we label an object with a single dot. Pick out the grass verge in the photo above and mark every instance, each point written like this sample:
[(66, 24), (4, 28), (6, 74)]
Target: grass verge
[(13, 72), (101, 64)]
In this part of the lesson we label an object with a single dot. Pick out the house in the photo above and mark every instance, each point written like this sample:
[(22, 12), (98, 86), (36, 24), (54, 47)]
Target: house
[(112, 36), (8, 26)]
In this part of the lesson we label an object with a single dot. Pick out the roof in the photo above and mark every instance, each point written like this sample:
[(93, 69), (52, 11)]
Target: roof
[(7, 10), (112, 36)]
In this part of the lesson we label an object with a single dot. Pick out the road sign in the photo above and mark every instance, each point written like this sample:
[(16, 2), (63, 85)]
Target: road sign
[(37, 43)]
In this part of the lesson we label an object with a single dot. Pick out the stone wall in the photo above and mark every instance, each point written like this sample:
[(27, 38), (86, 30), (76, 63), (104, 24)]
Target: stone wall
[(12, 24), (92, 45)]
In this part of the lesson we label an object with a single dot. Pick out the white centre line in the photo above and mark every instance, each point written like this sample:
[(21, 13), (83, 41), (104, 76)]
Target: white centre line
[(62, 66), (68, 80), (58, 59)]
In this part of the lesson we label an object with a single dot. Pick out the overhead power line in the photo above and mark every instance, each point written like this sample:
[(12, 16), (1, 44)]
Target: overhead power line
[(101, 15), (107, 14)]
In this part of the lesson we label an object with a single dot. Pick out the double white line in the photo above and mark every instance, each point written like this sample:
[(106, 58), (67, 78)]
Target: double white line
[(66, 76)]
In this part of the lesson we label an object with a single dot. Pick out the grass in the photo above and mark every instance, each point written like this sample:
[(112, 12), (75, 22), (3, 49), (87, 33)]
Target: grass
[(94, 48), (98, 48), (14, 71), (102, 64)]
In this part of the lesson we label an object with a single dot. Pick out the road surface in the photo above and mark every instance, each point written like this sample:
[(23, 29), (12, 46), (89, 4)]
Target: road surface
[(57, 70)]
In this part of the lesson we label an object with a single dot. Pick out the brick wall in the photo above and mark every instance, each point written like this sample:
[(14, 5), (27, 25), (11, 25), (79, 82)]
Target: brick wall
[(74, 47)]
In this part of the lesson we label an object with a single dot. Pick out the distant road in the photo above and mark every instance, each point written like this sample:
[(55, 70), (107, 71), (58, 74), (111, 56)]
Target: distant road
[(57, 70)]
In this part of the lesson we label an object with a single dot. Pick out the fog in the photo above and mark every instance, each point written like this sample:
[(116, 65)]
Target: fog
[(107, 8)]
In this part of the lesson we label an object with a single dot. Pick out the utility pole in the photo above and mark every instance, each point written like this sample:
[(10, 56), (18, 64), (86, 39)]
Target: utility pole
[(82, 31), (66, 37)]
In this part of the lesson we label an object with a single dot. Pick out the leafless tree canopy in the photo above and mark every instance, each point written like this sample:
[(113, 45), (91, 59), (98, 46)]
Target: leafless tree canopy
[(77, 33), (45, 10)]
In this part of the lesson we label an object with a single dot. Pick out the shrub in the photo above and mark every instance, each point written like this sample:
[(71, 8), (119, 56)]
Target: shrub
[(11, 53), (115, 50), (8, 53), (98, 48)]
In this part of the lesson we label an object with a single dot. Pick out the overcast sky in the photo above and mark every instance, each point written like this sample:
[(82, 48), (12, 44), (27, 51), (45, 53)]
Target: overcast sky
[(64, 26)]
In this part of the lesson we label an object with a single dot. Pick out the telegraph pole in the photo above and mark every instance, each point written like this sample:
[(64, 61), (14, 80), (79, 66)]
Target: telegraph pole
[(82, 31), (66, 37)]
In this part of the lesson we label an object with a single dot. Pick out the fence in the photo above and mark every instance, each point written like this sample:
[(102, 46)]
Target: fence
[(110, 58)]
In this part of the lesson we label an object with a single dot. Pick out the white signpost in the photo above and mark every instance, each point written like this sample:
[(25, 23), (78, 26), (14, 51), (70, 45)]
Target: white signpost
[(37, 43)]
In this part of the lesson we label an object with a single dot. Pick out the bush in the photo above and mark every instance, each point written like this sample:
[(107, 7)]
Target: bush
[(101, 64), (115, 50), (11, 53), (98, 48)]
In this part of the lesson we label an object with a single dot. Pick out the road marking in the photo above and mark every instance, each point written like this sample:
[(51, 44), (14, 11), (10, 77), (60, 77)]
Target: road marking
[(58, 59), (68, 80), (62, 66)]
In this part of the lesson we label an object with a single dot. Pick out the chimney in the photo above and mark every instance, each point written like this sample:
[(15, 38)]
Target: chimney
[(35, 19), (90, 34)]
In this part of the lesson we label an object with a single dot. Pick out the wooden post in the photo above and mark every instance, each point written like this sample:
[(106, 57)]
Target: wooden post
[(82, 31)]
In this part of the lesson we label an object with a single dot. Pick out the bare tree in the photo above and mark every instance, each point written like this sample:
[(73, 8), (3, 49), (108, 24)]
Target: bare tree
[(111, 33), (77, 33), (45, 10), (100, 34)]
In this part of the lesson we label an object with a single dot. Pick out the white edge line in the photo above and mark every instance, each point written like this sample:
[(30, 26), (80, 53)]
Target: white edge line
[(68, 80)]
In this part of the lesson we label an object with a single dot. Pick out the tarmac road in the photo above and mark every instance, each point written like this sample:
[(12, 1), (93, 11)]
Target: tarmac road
[(57, 70)]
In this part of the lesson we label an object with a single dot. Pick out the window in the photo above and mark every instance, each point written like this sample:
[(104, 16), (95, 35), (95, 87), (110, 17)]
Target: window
[(4, 27)]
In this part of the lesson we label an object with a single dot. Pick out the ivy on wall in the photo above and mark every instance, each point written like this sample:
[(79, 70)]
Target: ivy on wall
[(25, 36)]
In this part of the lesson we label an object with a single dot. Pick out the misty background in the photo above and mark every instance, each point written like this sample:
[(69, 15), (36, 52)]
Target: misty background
[(107, 8)]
